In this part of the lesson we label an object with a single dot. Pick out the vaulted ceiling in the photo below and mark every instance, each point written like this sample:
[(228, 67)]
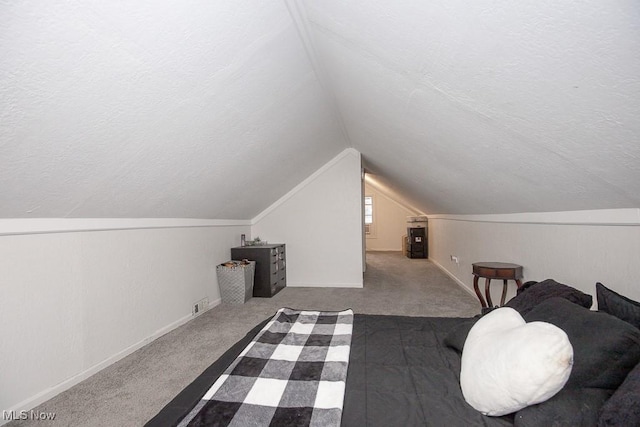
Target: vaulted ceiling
[(215, 109)]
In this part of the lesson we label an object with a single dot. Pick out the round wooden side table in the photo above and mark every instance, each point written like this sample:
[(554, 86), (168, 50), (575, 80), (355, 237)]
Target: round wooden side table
[(495, 270)]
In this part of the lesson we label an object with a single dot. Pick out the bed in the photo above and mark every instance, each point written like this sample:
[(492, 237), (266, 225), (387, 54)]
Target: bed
[(405, 371)]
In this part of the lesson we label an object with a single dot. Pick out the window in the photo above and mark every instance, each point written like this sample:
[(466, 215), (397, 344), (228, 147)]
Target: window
[(368, 214), (368, 210)]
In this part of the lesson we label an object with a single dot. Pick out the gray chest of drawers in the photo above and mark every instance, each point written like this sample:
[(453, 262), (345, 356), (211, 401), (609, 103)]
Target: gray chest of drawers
[(271, 269)]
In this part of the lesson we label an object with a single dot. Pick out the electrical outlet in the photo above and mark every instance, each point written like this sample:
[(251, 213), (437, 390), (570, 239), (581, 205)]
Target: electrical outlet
[(200, 306)]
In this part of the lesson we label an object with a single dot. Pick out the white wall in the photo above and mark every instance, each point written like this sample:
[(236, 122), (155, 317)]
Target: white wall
[(574, 248), (321, 223), (390, 221), (75, 302)]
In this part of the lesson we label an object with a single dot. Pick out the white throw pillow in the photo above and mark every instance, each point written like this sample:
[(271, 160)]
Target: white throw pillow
[(508, 364)]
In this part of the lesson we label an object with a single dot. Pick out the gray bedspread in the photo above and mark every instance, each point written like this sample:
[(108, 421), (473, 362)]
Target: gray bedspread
[(402, 374)]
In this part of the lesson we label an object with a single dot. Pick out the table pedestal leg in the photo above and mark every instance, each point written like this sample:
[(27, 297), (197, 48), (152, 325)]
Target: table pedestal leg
[(475, 287), (487, 292), (504, 292)]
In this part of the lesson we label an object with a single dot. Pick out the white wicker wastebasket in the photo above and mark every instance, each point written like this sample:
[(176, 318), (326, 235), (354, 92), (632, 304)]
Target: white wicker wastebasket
[(236, 282)]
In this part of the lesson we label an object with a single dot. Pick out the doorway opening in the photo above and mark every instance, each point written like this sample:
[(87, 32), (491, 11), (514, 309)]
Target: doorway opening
[(390, 224)]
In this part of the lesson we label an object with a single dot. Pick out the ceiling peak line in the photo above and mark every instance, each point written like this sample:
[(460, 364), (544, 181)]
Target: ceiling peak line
[(418, 80), (300, 21)]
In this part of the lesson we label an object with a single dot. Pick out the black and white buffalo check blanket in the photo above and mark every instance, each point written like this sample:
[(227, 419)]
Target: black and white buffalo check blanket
[(293, 373)]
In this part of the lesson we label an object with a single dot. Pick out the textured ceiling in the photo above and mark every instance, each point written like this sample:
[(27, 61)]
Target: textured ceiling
[(156, 109), (489, 106), (215, 109)]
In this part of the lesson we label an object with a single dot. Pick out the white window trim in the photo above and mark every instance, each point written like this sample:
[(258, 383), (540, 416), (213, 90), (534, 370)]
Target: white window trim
[(372, 226)]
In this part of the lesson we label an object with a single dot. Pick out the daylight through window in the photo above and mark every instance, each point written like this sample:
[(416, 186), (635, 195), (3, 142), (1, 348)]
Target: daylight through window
[(368, 215), (368, 210)]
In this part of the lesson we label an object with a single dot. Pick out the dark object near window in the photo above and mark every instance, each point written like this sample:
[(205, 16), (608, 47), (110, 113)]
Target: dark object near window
[(617, 305), (531, 294), (605, 349), (623, 409)]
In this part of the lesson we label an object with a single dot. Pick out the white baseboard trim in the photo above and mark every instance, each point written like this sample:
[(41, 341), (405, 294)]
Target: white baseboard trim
[(214, 303), (325, 285), (455, 279), (49, 393)]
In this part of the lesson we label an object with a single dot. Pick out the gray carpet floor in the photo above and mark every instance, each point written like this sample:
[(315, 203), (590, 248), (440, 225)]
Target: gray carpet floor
[(133, 390)]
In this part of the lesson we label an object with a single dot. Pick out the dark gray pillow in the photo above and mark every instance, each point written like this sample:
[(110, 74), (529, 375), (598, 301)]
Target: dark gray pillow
[(573, 407), (605, 348), (618, 305), (458, 335), (623, 409), (534, 294)]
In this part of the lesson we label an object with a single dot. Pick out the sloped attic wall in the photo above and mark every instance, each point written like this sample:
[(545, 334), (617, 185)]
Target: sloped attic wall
[(489, 106), (156, 109), (164, 109)]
